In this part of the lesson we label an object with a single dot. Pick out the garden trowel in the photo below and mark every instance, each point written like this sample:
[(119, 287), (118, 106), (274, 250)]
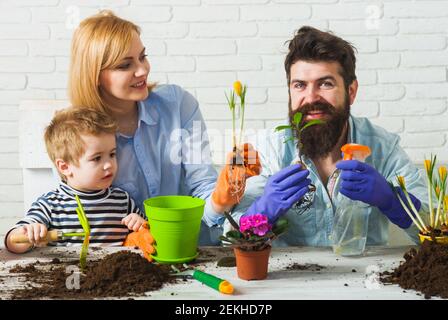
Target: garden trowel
[(52, 236)]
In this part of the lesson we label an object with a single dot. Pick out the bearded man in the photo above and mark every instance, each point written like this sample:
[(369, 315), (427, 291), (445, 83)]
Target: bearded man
[(322, 83)]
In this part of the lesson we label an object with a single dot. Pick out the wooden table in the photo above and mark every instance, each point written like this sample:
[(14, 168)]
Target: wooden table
[(341, 277)]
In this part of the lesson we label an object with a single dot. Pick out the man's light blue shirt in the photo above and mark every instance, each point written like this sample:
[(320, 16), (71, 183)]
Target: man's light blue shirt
[(169, 153), (313, 226)]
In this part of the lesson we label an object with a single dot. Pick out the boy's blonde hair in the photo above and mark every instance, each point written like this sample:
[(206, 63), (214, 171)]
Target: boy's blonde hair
[(100, 42), (63, 135)]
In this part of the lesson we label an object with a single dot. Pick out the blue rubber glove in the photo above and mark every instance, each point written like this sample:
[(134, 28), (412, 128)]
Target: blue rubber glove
[(359, 181), (281, 191)]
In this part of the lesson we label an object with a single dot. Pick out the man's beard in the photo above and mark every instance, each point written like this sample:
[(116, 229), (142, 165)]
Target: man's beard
[(318, 141)]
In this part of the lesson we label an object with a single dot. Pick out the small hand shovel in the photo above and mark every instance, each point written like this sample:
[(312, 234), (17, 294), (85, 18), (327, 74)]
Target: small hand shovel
[(52, 236), (216, 283)]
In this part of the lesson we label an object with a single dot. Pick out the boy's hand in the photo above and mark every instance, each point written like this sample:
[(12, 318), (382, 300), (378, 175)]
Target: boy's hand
[(36, 233), (133, 221)]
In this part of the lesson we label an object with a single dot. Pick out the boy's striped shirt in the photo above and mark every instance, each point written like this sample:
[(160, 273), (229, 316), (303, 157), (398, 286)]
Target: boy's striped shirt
[(104, 210)]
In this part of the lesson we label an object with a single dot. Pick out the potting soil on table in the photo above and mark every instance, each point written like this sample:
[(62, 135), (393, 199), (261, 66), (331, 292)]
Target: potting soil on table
[(117, 275), (424, 270)]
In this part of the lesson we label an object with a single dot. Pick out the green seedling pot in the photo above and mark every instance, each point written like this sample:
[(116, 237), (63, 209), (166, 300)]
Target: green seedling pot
[(175, 223)]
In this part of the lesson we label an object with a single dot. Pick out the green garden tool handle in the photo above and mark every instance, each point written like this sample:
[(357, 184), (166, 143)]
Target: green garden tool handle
[(216, 283)]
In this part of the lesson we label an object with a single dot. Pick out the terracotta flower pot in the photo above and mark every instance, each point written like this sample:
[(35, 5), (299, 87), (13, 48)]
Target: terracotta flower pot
[(252, 265)]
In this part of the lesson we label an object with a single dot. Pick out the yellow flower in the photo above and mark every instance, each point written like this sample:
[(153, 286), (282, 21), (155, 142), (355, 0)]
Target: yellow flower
[(401, 182), (427, 165), (437, 191), (445, 200), (442, 173), (238, 87)]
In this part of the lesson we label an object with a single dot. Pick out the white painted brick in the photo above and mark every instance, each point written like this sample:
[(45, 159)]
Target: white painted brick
[(271, 12), (262, 79), (262, 46), (201, 47), (24, 31), (413, 107), (37, 3), (366, 77), (430, 58), (380, 60), (278, 95), (172, 64), (435, 90), (60, 31), (380, 93), (217, 95), (287, 30), (61, 14), (50, 48), (165, 2), (62, 64), (393, 125), (154, 47), (215, 111), (419, 154), (15, 15), (10, 177), (414, 75), (9, 97), (145, 14), (273, 63), (48, 81), (364, 28), (416, 26), (427, 124), (26, 64), (223, 30), (428, 9), (204, 14), (9, 145), (9, 113), (422, 140), (9, 129), (214, 2), (412, 42), (11, 211), (11, 193), (160, 78), (366, 109), (202, 79), (232, 63), (13, 48), (258, 112), (272, 124), (60, 94), (306, 1), (9, 161), (12, 81), (340, 11), (104, 4), (164, 30), (363, 44)]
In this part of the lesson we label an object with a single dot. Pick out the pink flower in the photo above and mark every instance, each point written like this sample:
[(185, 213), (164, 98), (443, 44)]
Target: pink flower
[(261, 230), (256, 224), (245, 223)]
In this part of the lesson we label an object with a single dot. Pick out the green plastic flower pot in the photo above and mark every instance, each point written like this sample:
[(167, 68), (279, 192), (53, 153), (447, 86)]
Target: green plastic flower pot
[(175, 223)]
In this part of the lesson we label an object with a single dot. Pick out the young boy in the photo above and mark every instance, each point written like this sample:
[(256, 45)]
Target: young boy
[(81, 144)]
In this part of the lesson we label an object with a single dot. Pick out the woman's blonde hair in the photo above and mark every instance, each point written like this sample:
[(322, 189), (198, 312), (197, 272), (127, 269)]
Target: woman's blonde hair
[(100, 42)]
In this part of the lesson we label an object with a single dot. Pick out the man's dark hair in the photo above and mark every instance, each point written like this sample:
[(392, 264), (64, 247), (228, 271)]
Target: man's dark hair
[(313, 45)]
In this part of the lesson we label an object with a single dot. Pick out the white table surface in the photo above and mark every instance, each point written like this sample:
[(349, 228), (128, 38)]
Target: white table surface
[(335, 281)]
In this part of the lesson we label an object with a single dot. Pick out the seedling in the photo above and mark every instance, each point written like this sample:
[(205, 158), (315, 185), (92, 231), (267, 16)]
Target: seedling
[(86, 234)]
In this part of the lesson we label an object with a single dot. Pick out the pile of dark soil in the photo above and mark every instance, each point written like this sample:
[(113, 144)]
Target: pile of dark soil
[(117, 275), (307, 266), (424, 270)]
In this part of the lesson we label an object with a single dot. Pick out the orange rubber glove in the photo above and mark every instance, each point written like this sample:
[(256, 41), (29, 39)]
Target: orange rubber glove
[(232, 179), (142, 239)]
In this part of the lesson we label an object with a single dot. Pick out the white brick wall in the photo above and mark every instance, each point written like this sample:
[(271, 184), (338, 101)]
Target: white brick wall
[(204, 45)]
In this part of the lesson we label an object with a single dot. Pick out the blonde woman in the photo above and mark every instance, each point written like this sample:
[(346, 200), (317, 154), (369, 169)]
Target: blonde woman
[(162, 145)]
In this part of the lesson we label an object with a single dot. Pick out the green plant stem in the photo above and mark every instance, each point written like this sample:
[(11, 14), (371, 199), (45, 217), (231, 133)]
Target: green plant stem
[(439, 204), (242, 123), (233, 129), (414, 209), (431, 213), (409, 213)]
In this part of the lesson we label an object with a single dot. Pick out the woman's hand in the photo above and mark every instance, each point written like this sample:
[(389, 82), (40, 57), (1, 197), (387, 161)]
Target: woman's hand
[(133, 221)]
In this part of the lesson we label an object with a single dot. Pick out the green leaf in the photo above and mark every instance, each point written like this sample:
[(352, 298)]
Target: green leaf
[(297, 118), (234, 234), (280, 226), (311, 123), (280, 128), (289, 139)]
